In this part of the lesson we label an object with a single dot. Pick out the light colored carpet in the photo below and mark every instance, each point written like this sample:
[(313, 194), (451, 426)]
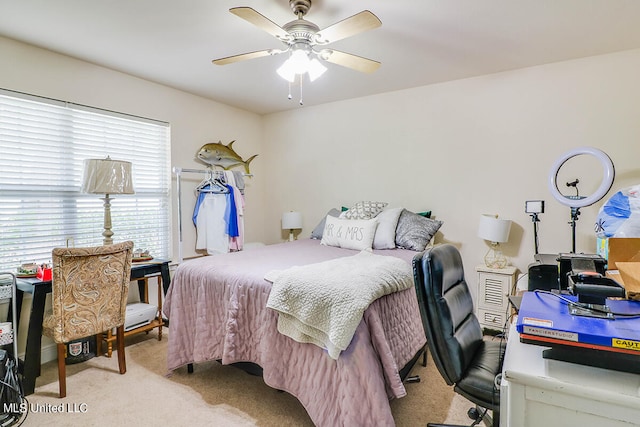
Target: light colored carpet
[(214, 395)]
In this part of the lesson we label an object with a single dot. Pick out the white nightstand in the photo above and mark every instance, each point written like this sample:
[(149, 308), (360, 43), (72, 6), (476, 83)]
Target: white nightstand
[(494, 288)]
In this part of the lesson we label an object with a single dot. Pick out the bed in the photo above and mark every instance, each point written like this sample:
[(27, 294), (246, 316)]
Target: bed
[(217, 310)]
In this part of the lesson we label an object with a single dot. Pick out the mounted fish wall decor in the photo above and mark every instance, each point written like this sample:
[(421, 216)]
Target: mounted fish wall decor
[(218, 154)]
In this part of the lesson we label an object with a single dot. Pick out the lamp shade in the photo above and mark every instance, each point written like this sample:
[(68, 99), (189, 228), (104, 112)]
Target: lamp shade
[(291, 220), (493, 229), (107, 176), (315, 69), (300, 63)]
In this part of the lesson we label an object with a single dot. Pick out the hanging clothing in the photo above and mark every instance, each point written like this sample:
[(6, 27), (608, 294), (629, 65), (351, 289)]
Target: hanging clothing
[(238, 177), (210, 222), (218, 216), (236, 243), (231, 213)]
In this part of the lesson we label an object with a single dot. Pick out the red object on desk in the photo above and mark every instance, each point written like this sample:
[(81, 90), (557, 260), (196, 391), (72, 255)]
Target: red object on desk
[(44, 274)]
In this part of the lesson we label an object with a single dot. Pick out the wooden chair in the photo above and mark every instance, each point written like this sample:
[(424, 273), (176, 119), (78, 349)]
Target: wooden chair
[(90, 287)]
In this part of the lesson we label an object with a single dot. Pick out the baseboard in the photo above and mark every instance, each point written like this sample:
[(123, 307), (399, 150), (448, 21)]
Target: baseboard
[(47, 353)]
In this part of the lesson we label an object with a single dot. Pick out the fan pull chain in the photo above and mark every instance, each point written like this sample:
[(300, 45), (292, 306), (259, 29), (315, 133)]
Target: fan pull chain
[(301, 76), (289, 97)]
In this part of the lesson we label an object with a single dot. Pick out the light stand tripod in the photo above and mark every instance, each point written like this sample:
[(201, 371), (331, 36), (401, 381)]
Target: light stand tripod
[(533, 208), (575, 213), (535, 220)]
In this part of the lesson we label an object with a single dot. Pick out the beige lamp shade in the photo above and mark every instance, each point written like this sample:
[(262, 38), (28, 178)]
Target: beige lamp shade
[(107, 176), (291, 221), (494, 229)]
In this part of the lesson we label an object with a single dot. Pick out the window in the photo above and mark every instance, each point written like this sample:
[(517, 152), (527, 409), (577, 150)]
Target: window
[(44, 144)]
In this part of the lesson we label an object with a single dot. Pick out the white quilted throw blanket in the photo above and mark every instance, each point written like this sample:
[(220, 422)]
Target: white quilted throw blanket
[(323, 303)]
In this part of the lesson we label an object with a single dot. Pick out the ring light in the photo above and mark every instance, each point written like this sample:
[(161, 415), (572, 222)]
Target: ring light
[(605, 185)]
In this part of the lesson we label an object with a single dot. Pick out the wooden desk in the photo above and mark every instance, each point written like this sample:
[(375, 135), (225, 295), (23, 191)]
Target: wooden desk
[(30, 369), (543, 392)]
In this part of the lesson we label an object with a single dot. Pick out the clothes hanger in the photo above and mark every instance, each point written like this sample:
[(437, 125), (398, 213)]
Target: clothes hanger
[(212, 184)]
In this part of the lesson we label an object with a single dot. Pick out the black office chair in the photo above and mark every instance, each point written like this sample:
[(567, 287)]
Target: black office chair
[(454, 336)]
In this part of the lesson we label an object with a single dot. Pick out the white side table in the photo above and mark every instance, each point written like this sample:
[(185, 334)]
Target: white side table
[(494, 288)]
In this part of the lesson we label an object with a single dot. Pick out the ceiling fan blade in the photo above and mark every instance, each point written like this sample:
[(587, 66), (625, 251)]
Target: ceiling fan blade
[(348, 60), (252, 16), (348, 27), (245, 56)]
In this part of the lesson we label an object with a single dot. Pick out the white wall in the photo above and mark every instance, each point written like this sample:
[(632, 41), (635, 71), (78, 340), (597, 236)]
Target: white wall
[(463, 148)]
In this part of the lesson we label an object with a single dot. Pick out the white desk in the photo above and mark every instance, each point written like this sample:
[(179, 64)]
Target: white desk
[(543, 392)]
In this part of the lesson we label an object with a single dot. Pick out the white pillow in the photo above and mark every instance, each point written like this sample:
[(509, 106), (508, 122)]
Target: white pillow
[(355, 234), (385, 237)]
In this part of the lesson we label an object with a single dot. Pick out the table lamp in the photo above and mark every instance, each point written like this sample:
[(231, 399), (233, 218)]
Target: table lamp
[(291, 221), (107, 176), (495, 231)]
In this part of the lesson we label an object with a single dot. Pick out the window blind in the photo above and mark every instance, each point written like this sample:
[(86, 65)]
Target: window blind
[(43, 144)]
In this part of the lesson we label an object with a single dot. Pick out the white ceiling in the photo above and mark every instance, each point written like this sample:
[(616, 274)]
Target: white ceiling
[(420, 42)]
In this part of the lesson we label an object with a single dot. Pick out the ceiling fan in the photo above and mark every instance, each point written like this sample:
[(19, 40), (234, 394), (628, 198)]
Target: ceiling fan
[(304, 41)]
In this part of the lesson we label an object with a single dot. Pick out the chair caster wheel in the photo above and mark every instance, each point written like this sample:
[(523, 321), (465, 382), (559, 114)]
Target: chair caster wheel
[(474, 414)]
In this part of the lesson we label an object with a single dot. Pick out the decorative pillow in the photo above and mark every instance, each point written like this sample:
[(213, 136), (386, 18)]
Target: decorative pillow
[(355, 234), (385, 237), (317, 232), (414, 231), (364, 210)]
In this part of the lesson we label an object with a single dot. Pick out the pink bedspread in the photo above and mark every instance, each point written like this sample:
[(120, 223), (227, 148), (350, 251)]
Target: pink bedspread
[(216, 307)]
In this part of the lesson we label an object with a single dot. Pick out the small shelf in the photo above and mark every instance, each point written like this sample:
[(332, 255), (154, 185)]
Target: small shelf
[(158, 322), (155, 323)]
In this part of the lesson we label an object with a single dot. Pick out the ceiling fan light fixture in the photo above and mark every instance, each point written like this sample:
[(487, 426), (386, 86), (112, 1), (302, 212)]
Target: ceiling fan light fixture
[(299, 63), (287, 72), (316, 69)]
